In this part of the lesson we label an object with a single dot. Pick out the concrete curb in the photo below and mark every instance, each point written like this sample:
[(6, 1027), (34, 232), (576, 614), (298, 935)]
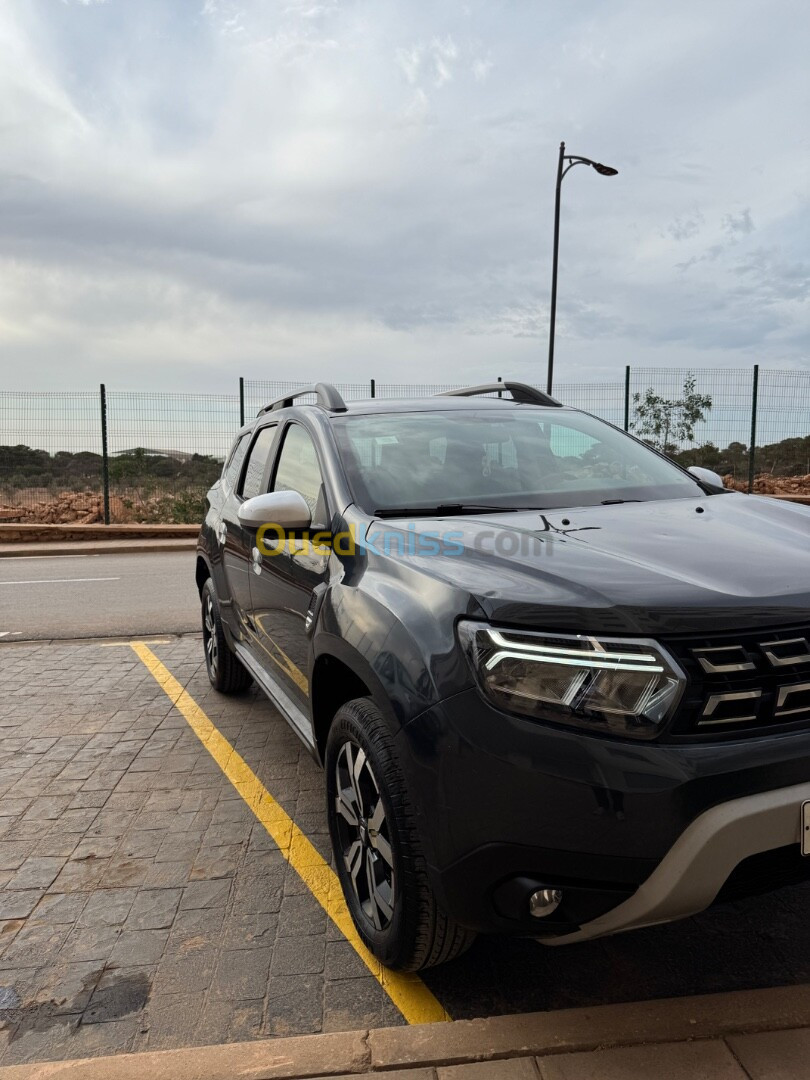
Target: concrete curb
[(354, 1053), (20, 531), (30, 549)]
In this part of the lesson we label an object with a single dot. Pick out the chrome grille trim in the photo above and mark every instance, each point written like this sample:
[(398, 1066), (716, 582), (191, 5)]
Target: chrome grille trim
[(769, 665), (711, 668), (785, 661), (785, 693), (716, 700)]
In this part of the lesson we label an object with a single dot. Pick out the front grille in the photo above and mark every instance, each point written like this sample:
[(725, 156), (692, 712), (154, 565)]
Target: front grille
[(765, 872), (754, 682)]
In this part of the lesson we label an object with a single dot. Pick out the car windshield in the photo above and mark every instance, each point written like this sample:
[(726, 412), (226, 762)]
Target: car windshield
[(516, 458)]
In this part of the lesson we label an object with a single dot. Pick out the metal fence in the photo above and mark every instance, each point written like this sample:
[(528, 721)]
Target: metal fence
[(51, 455), (116, 456)]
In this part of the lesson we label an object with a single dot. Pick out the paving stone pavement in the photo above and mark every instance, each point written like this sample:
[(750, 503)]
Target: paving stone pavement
[(142, 905)]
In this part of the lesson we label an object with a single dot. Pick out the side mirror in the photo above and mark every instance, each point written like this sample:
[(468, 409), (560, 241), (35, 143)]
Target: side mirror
[(706, 476), (288, 509)]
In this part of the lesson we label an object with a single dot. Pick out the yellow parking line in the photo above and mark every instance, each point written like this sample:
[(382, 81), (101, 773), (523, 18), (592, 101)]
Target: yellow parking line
[(122, 644), (407, 991)]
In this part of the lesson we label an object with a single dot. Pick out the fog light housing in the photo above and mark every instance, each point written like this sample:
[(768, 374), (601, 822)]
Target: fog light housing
[(544, 902)]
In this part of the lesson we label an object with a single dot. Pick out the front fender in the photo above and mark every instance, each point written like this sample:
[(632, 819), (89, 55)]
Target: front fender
[(399, 639)]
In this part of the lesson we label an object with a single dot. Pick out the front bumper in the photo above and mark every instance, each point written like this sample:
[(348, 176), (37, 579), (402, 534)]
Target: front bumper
[(506, 805), (694, 870)]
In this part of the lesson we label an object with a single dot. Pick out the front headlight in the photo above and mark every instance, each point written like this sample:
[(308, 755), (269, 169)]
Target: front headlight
[(617, 686)]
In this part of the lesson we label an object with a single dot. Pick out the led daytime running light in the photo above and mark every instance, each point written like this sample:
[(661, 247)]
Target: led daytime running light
[(589, 658)]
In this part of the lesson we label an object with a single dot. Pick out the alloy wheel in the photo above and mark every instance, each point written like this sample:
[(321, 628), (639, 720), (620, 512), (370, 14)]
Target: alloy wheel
[(364, 836), (210, 635)]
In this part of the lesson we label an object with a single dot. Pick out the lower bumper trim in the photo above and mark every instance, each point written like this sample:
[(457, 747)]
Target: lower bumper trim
[(696, 867)]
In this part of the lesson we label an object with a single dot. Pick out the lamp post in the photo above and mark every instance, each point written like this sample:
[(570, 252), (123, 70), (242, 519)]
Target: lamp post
[(562, 169)]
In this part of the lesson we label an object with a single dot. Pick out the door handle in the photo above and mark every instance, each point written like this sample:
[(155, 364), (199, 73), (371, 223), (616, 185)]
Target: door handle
[(257, 561)]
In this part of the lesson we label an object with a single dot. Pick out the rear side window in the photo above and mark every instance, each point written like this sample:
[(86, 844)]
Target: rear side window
[(257, 462), (234, 466)]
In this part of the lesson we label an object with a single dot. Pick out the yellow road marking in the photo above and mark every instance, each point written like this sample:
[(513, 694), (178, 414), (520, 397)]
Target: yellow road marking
[(127, 644), (407, 991)]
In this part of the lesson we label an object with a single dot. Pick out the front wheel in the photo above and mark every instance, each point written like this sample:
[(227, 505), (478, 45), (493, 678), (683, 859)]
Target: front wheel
[(377, 847), (225, 672)]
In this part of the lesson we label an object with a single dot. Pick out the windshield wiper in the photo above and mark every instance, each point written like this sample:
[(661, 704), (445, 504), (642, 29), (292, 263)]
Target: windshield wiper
[(618, 502), (449, 508)]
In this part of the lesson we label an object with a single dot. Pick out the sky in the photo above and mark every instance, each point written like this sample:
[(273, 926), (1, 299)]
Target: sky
[(193, 190)]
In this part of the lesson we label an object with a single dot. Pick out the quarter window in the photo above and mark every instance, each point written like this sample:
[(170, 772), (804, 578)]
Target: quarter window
[(234, 466), (257, 462)]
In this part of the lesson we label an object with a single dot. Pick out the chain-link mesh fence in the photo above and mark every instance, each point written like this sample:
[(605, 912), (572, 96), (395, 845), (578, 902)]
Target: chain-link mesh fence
[(700, 417), (165, 450), (408, 390), (783, 432), (50, 456), (605, 400), (260, 392)]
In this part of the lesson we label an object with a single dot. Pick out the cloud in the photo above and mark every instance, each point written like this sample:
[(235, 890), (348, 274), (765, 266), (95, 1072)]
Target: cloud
[(430, 62), (481, 68), (444, 54), (410, 61), (686, 227), (738, 224), (239, 186)]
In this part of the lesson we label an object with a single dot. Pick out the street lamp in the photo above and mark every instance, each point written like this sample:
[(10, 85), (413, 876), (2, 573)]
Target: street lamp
[(562, 169)]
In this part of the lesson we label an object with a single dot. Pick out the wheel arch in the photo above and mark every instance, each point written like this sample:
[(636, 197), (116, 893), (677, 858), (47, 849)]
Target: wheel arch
[(202, 572), (340, 674)]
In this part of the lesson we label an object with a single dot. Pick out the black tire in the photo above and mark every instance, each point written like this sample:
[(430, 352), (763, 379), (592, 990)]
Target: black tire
[(224, 670), (398, 917)]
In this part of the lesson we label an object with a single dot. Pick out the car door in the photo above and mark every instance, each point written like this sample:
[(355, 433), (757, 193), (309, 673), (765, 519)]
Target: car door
[(283, 583), (235, 540)]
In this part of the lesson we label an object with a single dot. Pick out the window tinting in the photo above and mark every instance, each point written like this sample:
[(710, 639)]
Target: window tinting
[(298, 470), (234, 466), (257, 462)]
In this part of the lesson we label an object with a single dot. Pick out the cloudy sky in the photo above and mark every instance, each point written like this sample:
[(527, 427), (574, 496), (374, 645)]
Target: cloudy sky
[(197, 189)]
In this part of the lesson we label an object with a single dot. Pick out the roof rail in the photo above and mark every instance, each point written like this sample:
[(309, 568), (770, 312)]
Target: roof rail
[(521, 392), (328, 398)]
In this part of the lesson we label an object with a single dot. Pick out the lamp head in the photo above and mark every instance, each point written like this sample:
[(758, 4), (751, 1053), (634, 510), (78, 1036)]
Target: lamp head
[(604, 170)]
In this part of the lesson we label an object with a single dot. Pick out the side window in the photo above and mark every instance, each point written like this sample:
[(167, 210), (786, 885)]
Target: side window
[(231, 472), (298, 470), (257, 462)]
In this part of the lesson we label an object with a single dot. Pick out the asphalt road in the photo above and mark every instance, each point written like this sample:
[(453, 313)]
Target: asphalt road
[(97, 596)]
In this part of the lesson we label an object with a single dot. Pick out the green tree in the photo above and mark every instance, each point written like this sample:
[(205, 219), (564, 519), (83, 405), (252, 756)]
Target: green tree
[(667, 422)]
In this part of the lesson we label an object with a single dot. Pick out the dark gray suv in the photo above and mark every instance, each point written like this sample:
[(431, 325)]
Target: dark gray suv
[(559, 685)]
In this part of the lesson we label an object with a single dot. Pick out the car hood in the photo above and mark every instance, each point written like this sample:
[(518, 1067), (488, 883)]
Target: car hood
[(715, 563)]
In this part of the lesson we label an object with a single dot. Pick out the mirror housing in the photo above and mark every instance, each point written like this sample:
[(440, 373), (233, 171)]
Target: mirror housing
[(288, 509), (706, 476)]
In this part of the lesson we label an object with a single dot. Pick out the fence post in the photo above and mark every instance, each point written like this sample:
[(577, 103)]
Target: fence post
[(627, 398), (241, 402), (753, 448), (105, 459), (373, 388)]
